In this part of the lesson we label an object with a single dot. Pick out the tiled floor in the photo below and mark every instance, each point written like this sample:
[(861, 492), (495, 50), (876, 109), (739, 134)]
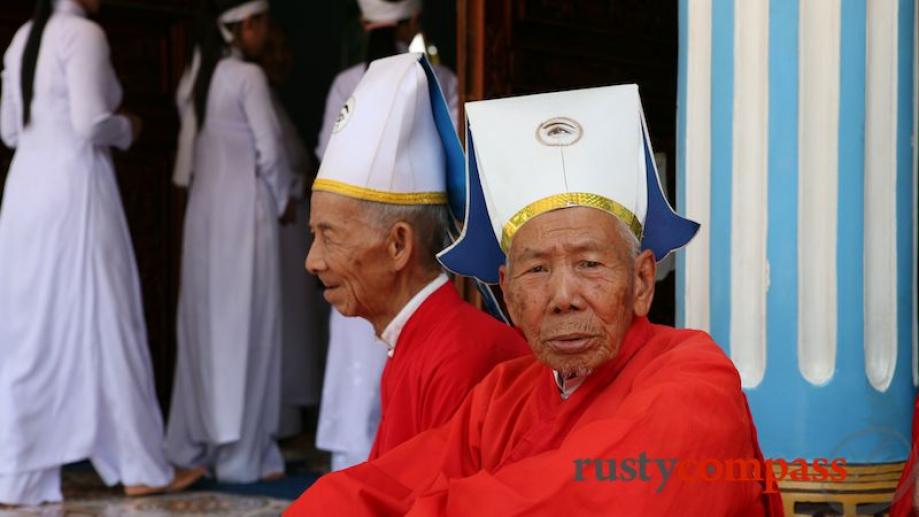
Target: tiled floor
[(86, 496), (187, 504)]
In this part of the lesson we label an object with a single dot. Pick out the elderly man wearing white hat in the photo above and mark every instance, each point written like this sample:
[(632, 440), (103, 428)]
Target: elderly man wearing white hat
[(350, 409), (566, 212), (379, 214)]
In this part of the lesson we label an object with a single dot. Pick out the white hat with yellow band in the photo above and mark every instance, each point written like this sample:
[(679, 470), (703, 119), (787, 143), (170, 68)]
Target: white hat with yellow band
[(532, 154), (394, 141)]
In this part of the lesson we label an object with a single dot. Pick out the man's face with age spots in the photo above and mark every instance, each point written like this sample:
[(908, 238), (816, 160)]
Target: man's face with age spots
[(348, 255), (573, 285)]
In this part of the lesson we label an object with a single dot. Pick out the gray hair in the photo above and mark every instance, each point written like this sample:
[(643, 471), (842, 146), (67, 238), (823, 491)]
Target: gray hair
[(630, 239), (429, 222)]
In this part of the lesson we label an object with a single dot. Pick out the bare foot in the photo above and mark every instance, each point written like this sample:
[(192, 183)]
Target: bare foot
[(181, 480), (142, 490), (185, 478)]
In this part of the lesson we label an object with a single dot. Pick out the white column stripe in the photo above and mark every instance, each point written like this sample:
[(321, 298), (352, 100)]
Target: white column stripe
[(880, 253), (818, 157), (698, 161), (749, 189)]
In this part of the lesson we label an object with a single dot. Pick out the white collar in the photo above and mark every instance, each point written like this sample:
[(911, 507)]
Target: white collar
[(391, 333), (567, 386), (69, 7)]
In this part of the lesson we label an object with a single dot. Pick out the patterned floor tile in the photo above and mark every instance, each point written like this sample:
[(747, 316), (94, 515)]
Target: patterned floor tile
[(190, 504)]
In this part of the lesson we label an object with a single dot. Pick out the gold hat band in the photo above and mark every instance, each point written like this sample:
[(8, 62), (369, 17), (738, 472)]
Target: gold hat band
[(380, 196), (566, 200)]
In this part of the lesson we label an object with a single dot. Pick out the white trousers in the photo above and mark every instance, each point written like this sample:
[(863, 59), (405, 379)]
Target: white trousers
[(31, 488)]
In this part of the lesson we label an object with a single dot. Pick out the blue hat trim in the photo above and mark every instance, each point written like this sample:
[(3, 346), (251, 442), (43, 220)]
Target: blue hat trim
[(476, 253), (664, 230), (453, 149)]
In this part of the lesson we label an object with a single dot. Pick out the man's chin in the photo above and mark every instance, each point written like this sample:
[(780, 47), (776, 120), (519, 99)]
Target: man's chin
[(569, 373), (333, 297), (349, 310), (569, 366), (564, 365), (343, 308)]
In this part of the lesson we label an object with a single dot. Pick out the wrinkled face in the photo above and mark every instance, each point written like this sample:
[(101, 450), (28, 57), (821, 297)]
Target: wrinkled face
[(348, 255), (573, 286)]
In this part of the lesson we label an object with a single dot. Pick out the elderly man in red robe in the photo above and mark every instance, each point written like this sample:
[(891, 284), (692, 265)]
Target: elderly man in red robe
[(611, 415), (379, 215)]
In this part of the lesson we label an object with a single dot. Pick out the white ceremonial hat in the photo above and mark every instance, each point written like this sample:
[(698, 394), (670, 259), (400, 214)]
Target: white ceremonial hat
[(234, 11), (532, 154), (394, 141), (381, 12)]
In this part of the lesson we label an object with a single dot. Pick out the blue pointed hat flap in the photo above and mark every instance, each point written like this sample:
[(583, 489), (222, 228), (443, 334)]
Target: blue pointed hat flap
[(476, 253), (453, 149), (664, 231), (456, 179)]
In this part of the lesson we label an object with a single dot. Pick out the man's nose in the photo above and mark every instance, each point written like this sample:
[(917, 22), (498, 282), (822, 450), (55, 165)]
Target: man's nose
[(565, 292), (314, 261)]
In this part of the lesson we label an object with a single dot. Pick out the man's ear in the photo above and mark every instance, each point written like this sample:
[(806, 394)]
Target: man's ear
[(401, 245), (645, 273)]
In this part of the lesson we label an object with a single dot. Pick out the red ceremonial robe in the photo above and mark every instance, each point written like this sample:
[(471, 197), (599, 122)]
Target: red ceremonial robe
[(445, 348), (514, 448), (903, 498)]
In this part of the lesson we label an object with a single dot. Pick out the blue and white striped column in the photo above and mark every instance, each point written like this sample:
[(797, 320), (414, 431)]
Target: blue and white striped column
[(795, 153)]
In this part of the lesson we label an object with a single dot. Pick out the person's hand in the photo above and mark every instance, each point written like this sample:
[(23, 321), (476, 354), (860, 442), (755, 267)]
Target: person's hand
[(290, 213)]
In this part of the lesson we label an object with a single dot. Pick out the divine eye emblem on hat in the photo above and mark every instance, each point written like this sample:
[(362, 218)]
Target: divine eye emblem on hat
[(344, 115), (559, 132)]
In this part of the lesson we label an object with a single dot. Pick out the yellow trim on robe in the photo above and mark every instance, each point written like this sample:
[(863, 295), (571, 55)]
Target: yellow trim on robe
[(566, 200), (380, 196)]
